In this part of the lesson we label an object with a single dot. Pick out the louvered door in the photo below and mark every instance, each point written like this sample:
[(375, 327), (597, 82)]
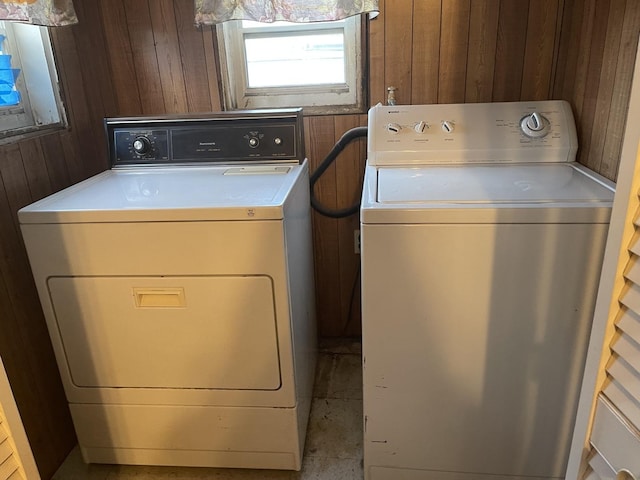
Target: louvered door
[(623, 371), (9, 464), (16, 458), (606, 443), (615, 435)]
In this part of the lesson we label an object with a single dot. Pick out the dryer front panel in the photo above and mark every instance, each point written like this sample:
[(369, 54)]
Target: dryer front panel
[(137, 288), (198, 332)]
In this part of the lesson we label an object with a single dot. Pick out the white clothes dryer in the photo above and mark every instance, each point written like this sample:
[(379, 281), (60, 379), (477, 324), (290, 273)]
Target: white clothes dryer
[(482, 243), (178, 292)]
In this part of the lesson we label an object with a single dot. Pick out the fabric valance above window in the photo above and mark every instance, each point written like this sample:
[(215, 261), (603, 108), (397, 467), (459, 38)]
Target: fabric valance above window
[(211, 12), (49, 13)]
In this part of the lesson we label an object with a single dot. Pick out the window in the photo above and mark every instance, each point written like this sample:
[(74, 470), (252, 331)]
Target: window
[(318, 66), (29, 97)]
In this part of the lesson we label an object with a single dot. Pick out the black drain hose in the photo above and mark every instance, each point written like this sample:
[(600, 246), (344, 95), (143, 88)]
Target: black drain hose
[(345, 140)]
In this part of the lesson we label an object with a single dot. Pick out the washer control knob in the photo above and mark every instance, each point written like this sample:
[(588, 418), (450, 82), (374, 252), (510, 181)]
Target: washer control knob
[(535, 125), (142, 145), (277, 141), (448, 126), (254, 142), (421, 126), (393, 128)]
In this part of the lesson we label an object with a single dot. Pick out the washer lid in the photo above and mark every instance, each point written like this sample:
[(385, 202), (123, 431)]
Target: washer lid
[(501, 193), (255, 192), (490, 184)]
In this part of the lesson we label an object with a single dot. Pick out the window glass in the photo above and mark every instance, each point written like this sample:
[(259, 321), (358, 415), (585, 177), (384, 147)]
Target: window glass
[(290, 60)]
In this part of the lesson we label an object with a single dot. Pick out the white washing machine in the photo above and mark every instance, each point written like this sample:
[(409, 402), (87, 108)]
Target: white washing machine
[(178, 292), (482, 242)]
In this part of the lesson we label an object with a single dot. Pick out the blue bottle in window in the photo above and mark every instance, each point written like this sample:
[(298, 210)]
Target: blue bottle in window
[(8, 94)]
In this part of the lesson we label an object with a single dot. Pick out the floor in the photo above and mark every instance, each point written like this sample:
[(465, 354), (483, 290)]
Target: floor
[(333, 449)]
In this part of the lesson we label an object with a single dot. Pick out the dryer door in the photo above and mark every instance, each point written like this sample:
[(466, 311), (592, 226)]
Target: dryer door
[(199, 332)]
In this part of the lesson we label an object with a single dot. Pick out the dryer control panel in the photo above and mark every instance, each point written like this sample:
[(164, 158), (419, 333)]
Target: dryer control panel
[(541, 131), (265, 136)]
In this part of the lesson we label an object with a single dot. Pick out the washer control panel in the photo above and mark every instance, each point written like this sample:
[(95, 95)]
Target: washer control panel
[(238, 137), (540, 131)]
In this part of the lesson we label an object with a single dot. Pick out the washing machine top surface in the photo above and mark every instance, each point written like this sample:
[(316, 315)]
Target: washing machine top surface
[(490, 184)]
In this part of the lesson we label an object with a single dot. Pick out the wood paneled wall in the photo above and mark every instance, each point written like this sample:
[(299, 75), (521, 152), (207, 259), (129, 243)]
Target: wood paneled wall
[(130, 57), (596, 57)]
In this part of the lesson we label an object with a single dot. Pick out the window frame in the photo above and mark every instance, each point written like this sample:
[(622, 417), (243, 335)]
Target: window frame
[(41, 106), (349, 97)]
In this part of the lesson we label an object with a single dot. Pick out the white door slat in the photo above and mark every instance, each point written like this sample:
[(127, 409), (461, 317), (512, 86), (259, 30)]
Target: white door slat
[(628, 406), (634, 216), (6, 450), (626, 375), (631, 298), (601, 467), (17, 475), (590, 475), (8, 468), (624, 346), (632, 271), (613, 437), (634, 247), (629, 322)]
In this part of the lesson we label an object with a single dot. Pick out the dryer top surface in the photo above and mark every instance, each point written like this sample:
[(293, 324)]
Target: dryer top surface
[(171, 193)]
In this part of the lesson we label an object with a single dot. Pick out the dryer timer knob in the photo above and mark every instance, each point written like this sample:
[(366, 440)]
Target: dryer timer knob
[(142, 145)]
